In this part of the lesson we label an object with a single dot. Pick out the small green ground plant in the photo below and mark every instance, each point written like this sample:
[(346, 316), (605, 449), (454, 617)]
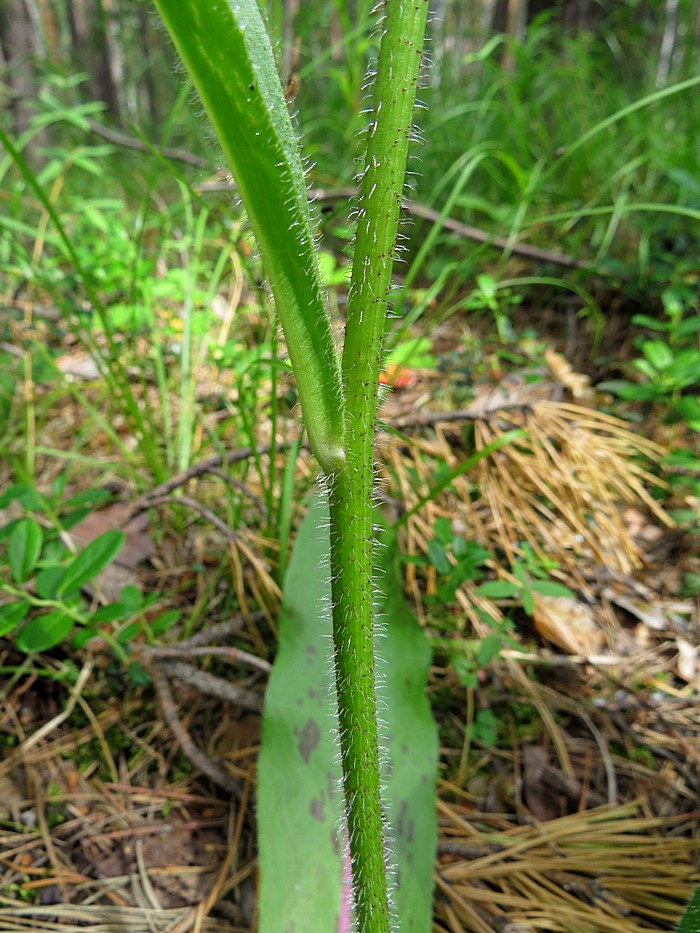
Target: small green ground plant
[(690, 921), (132, 282), (45, 577), (229, 57), (669, 364)]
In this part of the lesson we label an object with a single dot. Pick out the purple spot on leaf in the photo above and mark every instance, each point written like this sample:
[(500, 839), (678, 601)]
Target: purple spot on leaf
[(316, 809), (308, 739), (311, 652), (400, 824)]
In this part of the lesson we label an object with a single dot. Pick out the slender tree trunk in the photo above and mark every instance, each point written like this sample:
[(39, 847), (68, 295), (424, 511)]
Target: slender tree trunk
[(22, 44), (55, 47), (668, 43), (118, 98), (150, 97), (92, 52)]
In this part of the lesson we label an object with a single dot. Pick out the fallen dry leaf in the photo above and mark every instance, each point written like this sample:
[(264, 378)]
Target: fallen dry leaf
[(138, 546), (567, 623), (688, 656), (79, 365), (577, 383), (542, 803)]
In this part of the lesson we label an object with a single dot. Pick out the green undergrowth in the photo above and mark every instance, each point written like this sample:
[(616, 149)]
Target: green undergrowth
[(564, 147), (146, 276)]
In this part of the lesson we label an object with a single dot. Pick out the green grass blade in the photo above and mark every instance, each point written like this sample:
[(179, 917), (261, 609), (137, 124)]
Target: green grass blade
[(110, 364), (621, 115), (690, 922)]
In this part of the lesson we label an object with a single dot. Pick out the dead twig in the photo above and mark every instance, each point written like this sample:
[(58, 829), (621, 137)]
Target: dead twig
[(211, 685), (184, 739), (131, 142), (475, 234), (464, 231), (155, 661), (196, 506), (209, 465), (237, 655)]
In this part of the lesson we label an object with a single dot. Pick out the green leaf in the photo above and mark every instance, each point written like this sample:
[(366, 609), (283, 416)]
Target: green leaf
[(45, 632), (691, 918), (82, 636), (47, 582), (90, 561), (551, 588), (410, 733), (658, 353), (11, 614), (438, 557), (137, 675), (299, 737), (165, 621), (489, 648), (58, 486), (643, 320), (442, 530), (520, 573), (24, 548), (485, 728), (24, 493), (112, 612), (131, 597), (129, 632), (648, 370), (622, 387), (414, 352), (498, 589), (688, 327), (230, 60)]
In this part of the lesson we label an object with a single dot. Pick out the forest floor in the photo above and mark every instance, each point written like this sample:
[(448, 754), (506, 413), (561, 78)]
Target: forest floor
[(569, 774)]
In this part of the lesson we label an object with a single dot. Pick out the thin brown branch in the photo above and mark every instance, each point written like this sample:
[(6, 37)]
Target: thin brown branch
[(184, 740), (212, 686), (196, 506), (498, 242), (215, 633), (464, 231), (199, 469), (236, 655), (133, 142), (241, 487), (476, 234)]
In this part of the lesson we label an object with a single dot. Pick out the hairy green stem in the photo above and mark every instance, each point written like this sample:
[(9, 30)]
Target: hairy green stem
[(352, 536), (228, 55)]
